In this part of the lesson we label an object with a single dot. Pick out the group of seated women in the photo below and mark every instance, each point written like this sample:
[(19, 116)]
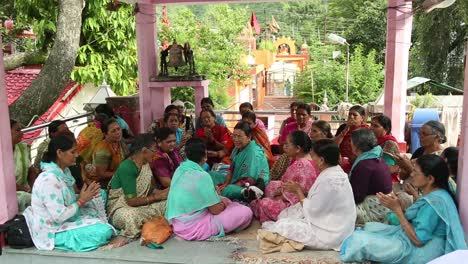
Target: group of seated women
[(323, 186)]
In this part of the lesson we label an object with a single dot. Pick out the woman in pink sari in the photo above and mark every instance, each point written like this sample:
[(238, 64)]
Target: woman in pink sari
[(302, 170)]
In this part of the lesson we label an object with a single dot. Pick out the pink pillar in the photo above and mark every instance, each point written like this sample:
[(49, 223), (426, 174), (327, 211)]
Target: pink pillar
[(160, 98), (200, 92), (462, 181), (8, 202), (399, 25), (147, 60)]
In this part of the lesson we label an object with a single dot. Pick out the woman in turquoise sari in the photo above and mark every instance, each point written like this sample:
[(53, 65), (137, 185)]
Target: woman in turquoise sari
[(58, 218), (194, 208), (249, 167), (428, 229)]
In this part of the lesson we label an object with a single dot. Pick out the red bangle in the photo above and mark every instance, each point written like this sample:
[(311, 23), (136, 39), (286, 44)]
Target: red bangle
[(80, 203)]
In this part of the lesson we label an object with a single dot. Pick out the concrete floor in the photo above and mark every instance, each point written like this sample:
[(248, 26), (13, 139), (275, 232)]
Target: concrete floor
[(237, 248)]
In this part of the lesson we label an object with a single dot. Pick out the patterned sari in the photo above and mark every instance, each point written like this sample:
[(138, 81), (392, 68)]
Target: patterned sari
[(222, 135), (259, 135), (130, 219), (54, 214), (105, 155), (165, 164), (291, 127), (87, 141), (302, 171), (389, 144)]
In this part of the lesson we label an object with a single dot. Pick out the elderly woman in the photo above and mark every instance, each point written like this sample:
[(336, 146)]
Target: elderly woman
[(326, 216), (320, 130), (428, 229), (431, 137), (57, 218), (24, 172), (302, 171), (185, 122), (259, 135), (108, 154), (217, 138), (369, 175), (132, 200), (208, 105), (381, 125), (303, 122), (248, 107), (249, 167), (196, 211), (166, 158), (355, 121)]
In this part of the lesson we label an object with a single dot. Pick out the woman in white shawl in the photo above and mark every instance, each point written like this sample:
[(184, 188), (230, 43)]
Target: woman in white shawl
[(324, 218)]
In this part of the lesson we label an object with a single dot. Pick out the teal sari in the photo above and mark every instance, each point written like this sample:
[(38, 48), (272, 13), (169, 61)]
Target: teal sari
[(435, 221), (249, 162), (191, 190)]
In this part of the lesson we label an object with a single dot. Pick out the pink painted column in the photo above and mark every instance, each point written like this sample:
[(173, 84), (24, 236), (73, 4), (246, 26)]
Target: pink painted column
[(8, 202), (399, 25), (462, 180), (147, 60), (160, 98), (200, 93)]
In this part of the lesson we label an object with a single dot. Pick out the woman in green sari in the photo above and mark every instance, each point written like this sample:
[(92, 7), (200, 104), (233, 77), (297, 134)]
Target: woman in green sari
[(24, 172), (249, 168), (132, 200)]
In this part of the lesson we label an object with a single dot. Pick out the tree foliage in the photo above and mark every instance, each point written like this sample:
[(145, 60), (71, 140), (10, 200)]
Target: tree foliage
[(213, 38), (438, 43), (365, 83), (108, 47)]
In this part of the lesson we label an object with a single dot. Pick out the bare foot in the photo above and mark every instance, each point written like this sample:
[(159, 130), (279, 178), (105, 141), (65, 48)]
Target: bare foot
[(116, 242)]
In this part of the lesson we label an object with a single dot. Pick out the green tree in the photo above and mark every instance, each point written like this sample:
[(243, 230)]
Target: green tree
[(366, 79), (438, 43), (108, 47), (59, 36), (105, 33), (213, 39)]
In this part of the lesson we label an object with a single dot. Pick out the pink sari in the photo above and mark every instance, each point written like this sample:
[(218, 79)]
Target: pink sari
[(302, 171), (202, 225)]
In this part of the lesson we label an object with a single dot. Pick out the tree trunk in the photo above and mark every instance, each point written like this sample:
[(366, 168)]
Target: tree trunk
[(55, 74), (24, 58)]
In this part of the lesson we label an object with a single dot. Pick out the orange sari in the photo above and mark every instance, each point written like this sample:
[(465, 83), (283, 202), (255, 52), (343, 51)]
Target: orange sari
[(261, 138)]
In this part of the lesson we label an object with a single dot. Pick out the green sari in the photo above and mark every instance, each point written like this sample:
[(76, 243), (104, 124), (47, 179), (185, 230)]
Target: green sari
[(22, 159), (249, 162)]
